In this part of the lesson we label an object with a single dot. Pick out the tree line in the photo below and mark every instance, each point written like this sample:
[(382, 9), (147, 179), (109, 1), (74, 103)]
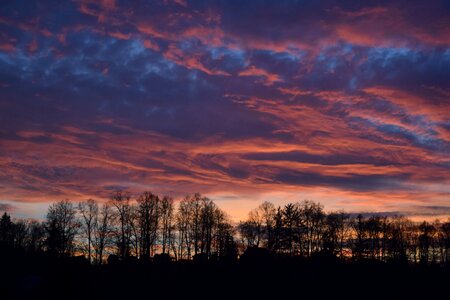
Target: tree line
[(153, 227)]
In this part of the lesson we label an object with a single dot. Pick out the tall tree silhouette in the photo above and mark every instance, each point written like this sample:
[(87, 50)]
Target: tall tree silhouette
[(166, 223), (148, 213), (61, 226), (89, 218), (312, 218), (121, 202), (336, 232), (103, 231)]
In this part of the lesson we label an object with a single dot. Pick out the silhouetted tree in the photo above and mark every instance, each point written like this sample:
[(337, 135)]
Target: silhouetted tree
[(148, 214), (20, 234), (397, 244), (183, 225), (207, 225), (224, 244), (189, 222), (312, 219), (36, 241), (426, 236), (200, 229), (336, 232), (121, 202), (6, 231), (102, 237), (359, 241), (445, 242), (291, 227), (267, 212), (249, 232), (253, 231), (278, 231), (166, 223), (61, 227), (373, 229), (89, 217)]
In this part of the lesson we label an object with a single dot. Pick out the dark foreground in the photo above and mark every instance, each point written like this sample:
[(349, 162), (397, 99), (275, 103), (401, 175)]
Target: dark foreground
[(41, 277)]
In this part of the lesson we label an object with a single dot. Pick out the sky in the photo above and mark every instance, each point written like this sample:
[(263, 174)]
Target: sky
[(346, 103)]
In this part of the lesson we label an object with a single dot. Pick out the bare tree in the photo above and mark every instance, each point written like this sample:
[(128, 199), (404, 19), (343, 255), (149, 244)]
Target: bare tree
[(183, 224), (267, 212), (336, 230), (148, 218), (259, 222), (224, 244), (121, 202), (89, 217), (166, 222), (397, 244), (207, 225), (103, 231), (312, 220)]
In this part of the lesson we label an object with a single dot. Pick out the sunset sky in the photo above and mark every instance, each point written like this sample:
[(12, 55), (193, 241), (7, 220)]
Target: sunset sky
[(342, 102)]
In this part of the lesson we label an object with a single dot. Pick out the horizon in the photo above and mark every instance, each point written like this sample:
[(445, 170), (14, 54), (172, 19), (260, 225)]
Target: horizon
[(429, 215), (344, 104)]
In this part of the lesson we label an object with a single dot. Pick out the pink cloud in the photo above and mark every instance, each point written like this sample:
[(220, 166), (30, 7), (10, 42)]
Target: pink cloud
[(269, 78), (190, 61)]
